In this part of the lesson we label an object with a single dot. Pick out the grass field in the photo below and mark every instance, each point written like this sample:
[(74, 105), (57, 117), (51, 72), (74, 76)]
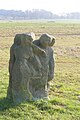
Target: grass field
[(64, 102)]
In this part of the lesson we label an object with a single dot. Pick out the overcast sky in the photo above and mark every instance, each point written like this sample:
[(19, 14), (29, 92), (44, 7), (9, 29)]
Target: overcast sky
[(55, 6)]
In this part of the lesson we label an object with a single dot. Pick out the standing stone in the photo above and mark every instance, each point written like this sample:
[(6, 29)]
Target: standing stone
[(17, 42), (31, 67), (45, 42)]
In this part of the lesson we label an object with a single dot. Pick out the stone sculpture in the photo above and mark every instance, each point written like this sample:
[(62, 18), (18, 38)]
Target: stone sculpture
[(45, 42), (31, 67), (17, 41)]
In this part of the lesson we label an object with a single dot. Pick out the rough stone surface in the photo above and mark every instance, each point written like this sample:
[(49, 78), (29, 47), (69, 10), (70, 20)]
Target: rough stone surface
[(31, 67), (45, 42)]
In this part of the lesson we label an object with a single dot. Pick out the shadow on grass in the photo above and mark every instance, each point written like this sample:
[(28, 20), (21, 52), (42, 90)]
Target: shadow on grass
[(42, 105), (5, 103)]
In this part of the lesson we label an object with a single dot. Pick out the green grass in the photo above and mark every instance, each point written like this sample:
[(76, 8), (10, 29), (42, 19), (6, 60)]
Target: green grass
[(63, 103)]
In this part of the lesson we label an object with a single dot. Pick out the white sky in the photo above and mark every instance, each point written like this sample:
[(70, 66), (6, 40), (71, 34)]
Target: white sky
[(55, 6)]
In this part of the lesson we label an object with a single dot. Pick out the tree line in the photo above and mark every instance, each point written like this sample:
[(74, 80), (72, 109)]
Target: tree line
[(34, 14)]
